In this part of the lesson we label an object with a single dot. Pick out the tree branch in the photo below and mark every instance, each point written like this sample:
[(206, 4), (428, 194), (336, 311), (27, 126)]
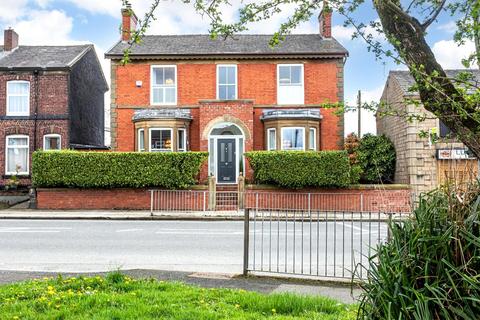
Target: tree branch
[(434, 16)]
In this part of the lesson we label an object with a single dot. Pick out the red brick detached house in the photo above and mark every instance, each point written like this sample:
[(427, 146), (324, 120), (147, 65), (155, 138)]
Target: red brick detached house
[(189, 92), (51, 97)]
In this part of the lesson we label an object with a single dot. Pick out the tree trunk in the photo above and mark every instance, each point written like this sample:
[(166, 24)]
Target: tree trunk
[(441, 97)]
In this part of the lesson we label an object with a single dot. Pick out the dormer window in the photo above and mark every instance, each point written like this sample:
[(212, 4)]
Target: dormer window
[(18, 98)]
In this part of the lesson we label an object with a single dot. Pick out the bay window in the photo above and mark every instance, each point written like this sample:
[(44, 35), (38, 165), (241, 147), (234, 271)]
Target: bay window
[(160, 140), (17, 153), (312, 139), (293, 138), (227, 82), (271, 139), (141, 140), (181, 140), (163, 85), (18, 98), (290, 86)]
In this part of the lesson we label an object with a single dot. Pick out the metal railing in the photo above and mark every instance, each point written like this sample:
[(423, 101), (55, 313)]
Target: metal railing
[(178, 200), (319, 235)]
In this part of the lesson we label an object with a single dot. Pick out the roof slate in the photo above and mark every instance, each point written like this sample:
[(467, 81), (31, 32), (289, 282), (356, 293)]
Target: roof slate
[(406, 81), (245, 44), (42, 56)]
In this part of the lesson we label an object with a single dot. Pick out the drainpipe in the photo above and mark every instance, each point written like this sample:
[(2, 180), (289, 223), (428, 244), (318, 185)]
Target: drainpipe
[(35, 114)]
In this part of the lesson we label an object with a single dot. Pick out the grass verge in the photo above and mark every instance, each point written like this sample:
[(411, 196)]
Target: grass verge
[(120, 297)]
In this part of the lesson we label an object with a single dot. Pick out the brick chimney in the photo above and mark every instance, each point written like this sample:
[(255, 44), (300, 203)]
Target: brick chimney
[(129, 22), (10, 39), (325, 21)]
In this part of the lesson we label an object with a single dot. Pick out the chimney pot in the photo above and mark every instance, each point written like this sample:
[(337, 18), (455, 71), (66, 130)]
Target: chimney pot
[(129, 22), (10, 39)]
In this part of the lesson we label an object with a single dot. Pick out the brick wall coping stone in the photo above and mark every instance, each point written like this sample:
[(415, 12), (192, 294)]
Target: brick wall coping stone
[(379, 187)]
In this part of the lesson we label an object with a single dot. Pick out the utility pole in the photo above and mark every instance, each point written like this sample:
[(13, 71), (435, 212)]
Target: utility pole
[(359, 110)]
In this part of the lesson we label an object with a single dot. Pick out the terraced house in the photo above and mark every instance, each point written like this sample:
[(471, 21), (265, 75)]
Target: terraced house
[(226, 96), (51, 97)]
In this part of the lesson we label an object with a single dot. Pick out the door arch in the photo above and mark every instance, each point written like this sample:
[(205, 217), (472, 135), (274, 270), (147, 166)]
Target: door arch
[(226, 145)]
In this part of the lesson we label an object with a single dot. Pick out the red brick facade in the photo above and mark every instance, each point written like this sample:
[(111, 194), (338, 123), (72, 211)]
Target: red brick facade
[(49, 100), (196, 91)]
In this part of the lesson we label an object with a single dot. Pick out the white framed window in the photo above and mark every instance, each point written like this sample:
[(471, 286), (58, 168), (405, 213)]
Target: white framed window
[(17, 154), (227, 88), (141, 140), (271, 139), (18, 98), (181, 140), (52, 142), (160, 139), (290, 84), (312, 139), (163, 85), (293, 138)]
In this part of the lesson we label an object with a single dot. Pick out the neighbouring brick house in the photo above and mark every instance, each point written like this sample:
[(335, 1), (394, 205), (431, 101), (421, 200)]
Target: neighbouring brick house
[(422, 162), (189, 92), (51, 97)]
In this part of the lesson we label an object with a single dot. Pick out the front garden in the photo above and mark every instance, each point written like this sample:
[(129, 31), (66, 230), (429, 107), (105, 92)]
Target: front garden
[(120, 297)]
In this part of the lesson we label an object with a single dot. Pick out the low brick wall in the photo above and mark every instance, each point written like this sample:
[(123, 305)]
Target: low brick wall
[(99, 199), (361, 199)]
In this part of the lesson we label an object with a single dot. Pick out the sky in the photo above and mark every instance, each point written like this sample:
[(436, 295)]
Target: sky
[(57, 22)]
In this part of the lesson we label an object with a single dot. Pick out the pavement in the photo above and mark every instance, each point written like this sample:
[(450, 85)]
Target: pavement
[(343, 293), (24, 213)]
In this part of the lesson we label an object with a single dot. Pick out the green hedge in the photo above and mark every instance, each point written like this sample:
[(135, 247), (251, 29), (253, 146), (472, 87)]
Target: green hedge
[(298, 169), (116, 169), (376, 156)]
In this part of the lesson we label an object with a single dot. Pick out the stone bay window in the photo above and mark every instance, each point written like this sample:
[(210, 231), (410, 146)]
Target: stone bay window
[(292, 129), (161, 130)]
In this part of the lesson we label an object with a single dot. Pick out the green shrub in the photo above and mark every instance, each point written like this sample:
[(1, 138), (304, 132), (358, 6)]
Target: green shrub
[(376, 157), (298, 169), (431, 267), (115, 169)]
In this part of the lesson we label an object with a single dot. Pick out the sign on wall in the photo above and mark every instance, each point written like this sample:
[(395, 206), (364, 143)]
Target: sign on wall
[(454, 154)]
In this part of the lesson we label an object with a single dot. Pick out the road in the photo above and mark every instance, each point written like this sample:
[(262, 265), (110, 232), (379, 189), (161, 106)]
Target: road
[(193, 246)]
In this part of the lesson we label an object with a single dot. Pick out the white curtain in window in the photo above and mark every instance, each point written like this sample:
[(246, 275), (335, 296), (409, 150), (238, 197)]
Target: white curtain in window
[(17, 155), (18, 98)]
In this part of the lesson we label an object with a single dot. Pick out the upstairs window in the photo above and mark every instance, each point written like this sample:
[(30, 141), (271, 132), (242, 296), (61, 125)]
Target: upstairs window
[(52, 142), (18, 98), (17, 153), (164, 85), (161, 140), (293, 138), (227, 82), (290, 88)]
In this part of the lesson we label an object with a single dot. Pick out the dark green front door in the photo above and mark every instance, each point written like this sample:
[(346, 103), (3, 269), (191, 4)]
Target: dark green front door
[(226, 163)]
